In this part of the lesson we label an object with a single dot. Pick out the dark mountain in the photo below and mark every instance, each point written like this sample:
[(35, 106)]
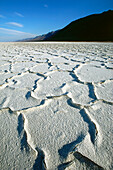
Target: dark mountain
[(44, 36), (96, 27)]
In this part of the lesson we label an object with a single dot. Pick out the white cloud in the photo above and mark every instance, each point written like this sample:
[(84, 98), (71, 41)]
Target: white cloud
[(7, 35), (10, 31), (1, 16), (18, 14), (15, 32), (15, 24)]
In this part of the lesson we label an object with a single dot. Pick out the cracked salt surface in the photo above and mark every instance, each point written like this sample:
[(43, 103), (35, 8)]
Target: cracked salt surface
[(11, 154), (77, 91), (52, 86), (104, 91), (88, 73), (56, 106)]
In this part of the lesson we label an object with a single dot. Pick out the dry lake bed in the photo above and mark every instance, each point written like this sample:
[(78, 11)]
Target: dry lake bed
[(56, 106)]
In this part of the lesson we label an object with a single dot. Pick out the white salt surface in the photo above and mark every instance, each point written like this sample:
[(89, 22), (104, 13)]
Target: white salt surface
[(104, 91), (56, 105), (99, 73)]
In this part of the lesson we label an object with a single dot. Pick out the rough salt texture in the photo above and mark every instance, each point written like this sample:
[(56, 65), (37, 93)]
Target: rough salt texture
[(56, 106)]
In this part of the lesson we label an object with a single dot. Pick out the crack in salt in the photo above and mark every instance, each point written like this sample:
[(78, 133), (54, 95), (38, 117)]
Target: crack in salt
[(27, 142)]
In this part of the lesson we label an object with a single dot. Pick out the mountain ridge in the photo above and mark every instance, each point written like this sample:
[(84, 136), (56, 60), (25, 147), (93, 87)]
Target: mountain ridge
[(94, 27)]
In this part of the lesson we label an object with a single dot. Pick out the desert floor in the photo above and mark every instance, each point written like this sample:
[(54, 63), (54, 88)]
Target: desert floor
[(56, 106)]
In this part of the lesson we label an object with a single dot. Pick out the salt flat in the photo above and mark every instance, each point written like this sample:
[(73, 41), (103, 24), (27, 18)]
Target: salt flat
[(56, 106)]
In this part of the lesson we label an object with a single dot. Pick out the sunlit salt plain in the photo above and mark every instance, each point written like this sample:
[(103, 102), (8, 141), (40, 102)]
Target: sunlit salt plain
[(56, 106)]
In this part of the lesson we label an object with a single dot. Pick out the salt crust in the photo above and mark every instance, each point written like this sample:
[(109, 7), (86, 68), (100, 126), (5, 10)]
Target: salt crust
[(56, 105)]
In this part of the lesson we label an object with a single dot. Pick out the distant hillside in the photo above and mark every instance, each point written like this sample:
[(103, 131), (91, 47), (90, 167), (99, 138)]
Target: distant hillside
[(40, 37), (96, 27), (44, 36)]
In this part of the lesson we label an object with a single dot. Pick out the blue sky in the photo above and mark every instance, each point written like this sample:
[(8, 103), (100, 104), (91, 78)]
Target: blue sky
[(28, 18)]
